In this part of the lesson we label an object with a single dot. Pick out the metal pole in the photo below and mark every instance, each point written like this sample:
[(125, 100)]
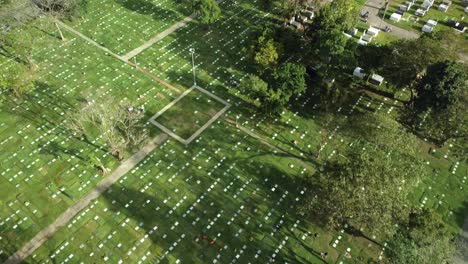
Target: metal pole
[(385, 13), (192, 50)]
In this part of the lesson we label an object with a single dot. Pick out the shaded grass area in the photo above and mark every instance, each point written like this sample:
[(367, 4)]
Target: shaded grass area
[(235, 191)]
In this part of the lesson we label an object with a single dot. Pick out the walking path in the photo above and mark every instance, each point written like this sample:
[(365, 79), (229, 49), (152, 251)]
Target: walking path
[(462, 255), (158, 37), (376, 21), (101, 187), (154, 77), (252, 134)]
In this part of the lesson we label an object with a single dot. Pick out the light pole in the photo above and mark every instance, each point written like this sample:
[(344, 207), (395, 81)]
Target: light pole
[(192, 51), (385, 13)]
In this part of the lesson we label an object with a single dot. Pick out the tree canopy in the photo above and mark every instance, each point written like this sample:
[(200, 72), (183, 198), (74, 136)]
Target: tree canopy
[(424, 239), (266, 54), (408, 58), (328, 26), (289, 78), (440, 107), (366, 185), (209, 11), (287, 81)]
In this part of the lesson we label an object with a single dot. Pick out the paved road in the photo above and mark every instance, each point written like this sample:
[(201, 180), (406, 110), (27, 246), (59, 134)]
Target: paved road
[(374, 20), (101, 187)]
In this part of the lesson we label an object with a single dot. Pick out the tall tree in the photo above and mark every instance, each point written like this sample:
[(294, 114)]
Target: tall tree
[(424, 239), (326, 31), (408, 59), (289, 78), (261, 94), (208, 10), (266, 53), (440, 108), (365, 187)]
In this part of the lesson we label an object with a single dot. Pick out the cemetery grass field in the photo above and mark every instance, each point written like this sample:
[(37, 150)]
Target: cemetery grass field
[(130, 24), (190, 113), (226, 196), (454, 12)]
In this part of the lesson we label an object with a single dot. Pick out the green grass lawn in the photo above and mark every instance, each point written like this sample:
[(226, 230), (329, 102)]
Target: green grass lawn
[(455, 12), (131, 22), (190, 113), (236, 191)]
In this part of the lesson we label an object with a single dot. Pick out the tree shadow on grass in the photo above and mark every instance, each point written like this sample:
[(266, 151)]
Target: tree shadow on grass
[(256, 169), (461, 214), (148, 217), (50, 113)]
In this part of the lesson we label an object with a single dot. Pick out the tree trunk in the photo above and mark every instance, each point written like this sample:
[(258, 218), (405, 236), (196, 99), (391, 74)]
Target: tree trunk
[(103, 169), (59, 30)]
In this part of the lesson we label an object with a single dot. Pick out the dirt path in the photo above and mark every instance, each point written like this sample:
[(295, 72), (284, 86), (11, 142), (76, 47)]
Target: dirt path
[(101, 187), (158, 37), (374, 20)]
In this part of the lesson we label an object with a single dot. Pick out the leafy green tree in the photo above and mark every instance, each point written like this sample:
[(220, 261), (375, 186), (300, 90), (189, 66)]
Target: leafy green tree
[(407, 59), (424, 239), (372, 57), (365, 187), (441, 103), (289, 78), (326, 31), (266, 53), (381, 130), (208, 10), (291, 7), (262, 96), (287, 81)]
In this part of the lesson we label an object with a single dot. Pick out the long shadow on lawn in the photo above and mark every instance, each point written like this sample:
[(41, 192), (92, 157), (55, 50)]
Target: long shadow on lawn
[(48, 115), (199, 251)]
